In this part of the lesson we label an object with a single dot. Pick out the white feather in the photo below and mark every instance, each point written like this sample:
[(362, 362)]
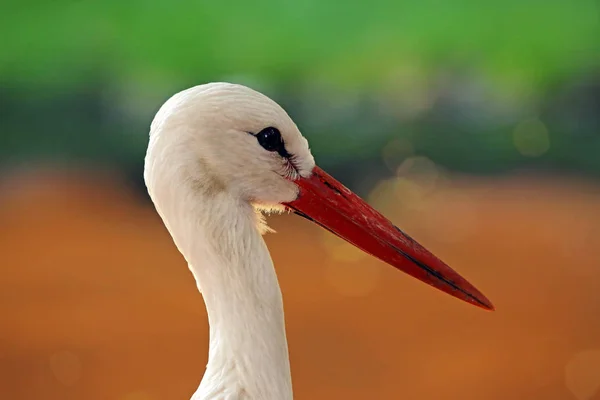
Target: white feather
[(207, 177)]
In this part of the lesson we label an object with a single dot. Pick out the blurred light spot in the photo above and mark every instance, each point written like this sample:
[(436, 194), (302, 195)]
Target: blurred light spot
[(140, 395), (409, 193), (395, 151), (583, 374), (66, 367), (379, 197), (354, 279), (420, 170), (418, 177), (340, 250), (531, 138)]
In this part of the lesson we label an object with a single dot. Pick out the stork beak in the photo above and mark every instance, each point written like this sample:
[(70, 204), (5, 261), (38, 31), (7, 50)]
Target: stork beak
[(325, 201)]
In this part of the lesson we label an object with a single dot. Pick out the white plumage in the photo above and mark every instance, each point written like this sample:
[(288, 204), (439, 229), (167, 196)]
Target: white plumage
[(207, 176)]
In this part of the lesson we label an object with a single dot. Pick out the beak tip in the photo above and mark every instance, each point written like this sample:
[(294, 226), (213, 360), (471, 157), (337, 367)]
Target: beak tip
[(490, 307), (482, 302)]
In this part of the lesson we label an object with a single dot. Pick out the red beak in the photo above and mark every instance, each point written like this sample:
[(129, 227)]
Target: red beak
[(325, 201)]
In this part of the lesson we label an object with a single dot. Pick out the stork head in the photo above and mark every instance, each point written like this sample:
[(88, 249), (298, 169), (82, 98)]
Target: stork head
[(226, 138), (233, 138)]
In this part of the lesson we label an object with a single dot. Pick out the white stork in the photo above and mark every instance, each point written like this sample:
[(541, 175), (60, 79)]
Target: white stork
[(219, 154)]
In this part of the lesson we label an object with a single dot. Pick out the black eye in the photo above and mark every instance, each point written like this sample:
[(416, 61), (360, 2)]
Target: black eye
[(270, 139)]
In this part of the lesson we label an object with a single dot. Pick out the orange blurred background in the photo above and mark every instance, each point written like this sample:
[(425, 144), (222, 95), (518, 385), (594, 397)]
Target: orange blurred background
[(97, 303)]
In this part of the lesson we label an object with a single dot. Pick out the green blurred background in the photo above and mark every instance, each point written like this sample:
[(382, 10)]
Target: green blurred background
[(439, 113)]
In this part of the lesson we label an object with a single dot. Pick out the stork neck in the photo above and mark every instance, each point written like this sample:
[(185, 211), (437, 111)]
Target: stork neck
[(248, 355)]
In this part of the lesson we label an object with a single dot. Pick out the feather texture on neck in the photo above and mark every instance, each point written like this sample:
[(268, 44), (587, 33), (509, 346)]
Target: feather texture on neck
[(220, 237)]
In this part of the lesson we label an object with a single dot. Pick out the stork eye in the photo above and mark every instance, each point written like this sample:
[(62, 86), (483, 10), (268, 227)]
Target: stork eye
[(270, 139)]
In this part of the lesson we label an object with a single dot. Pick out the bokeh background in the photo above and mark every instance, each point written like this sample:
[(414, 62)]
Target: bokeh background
[(475, 126)]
